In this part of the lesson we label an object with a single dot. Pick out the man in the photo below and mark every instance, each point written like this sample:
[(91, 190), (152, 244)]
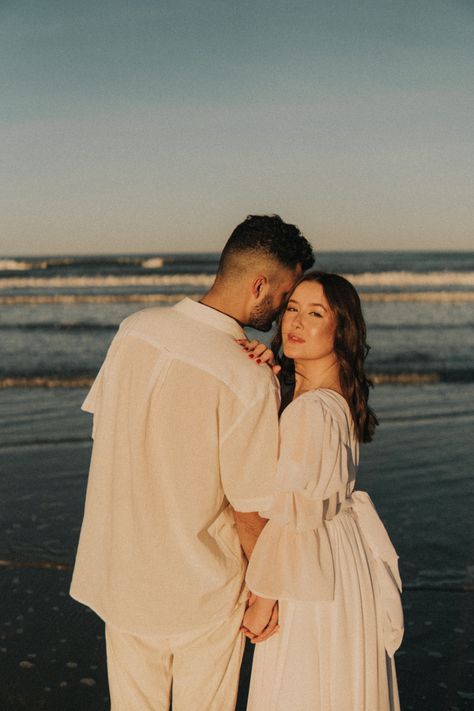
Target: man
[(185, 433)]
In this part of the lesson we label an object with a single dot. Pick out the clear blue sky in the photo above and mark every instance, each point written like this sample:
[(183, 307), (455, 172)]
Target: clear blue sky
[(158, 125)]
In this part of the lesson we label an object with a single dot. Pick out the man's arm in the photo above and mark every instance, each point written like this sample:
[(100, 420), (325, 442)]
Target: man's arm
[(262, 614), (249, 526)]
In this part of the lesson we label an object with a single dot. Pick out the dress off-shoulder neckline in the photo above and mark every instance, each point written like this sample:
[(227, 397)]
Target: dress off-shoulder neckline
[(320, 390)]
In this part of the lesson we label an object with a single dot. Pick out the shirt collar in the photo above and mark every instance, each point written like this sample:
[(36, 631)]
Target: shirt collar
[(211, 317)]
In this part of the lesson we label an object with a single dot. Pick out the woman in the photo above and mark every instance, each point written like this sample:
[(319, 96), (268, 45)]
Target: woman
[(324, 553)]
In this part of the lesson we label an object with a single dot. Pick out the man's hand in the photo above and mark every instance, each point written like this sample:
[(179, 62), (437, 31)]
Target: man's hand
[(260, 353), (260, 619)]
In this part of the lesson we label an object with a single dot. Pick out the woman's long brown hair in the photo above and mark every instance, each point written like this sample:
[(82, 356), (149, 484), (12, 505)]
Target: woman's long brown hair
[(350, 347)]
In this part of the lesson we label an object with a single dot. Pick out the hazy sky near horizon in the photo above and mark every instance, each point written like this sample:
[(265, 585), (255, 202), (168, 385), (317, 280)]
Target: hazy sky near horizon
[(148, 126)]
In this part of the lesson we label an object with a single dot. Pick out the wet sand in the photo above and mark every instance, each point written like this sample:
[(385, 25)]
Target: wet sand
[(52, 653), (52, 650)]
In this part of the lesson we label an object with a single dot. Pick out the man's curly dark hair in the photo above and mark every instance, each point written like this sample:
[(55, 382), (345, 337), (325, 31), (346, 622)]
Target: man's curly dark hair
[(268, 235)]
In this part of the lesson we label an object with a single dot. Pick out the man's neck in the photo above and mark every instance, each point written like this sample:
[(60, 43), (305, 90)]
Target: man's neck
[(224, 306)]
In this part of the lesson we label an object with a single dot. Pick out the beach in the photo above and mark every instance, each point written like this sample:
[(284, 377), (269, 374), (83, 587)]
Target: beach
[(52, 649), (417, 470)]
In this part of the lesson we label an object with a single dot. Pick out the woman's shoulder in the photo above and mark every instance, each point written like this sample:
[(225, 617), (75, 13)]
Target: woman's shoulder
[(317, 399), (321, 405)]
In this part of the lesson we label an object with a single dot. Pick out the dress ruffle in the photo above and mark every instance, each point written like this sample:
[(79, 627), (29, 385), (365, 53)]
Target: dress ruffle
[(287, 565), (300, 512)]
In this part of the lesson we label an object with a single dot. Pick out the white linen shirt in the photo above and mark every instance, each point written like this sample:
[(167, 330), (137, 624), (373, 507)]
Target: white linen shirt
[(184, 425)]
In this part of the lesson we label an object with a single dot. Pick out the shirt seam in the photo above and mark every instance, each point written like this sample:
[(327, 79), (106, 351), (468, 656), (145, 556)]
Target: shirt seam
[(239, 419), (195, 364)]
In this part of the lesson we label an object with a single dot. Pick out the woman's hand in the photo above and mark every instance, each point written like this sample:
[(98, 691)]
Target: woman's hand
[(261, 619), (260, 353)]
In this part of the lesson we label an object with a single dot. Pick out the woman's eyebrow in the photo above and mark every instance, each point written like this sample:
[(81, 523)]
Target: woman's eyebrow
[(310, 304)]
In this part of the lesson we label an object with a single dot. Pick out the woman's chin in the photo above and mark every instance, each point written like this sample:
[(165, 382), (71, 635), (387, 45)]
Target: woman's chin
[(291, 350)]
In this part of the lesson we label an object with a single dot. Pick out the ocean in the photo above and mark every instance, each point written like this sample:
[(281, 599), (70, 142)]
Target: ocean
[(59, 314)]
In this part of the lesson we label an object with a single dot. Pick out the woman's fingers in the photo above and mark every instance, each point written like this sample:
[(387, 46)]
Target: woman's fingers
[(270, 629), (247, 633), (248, 345), (256, 348), (265, 635), (258, 351), (264, 354)]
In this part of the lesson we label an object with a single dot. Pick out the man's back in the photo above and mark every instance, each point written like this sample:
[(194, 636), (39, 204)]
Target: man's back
[(183, 424)]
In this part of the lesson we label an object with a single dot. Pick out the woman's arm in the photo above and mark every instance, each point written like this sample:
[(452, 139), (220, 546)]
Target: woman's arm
[(261, 617), (249, 526)]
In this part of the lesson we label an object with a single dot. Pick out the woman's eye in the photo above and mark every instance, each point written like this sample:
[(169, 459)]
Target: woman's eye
[(290, 308), (315, 313)]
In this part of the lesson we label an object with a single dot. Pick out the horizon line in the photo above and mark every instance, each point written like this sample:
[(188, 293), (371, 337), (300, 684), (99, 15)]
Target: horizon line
[(363, 250)]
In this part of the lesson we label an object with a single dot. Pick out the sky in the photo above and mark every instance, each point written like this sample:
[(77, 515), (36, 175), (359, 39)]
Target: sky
[(158, 125)]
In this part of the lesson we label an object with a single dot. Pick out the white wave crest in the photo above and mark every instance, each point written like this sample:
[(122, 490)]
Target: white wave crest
[(14, 265), (168, 299), (434, 296), (367, 279), (406, 296), (412, 279), (153, 263), (200, 280)]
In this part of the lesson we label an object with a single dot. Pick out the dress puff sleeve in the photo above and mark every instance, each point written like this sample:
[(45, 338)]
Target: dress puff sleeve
[(292, 559)]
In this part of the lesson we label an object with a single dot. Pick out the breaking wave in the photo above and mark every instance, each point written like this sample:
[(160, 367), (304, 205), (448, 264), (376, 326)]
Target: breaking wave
[(369, 280), (203, 280), (401, 279), (95, 298), (7, 265), (59, 326), (153, 263), (415, 296), (16, 264)]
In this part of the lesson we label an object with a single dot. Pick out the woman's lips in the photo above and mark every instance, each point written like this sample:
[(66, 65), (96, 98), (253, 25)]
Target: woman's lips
[(293, 338)]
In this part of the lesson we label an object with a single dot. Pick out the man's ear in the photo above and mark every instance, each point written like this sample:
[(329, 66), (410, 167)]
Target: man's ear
[(258, 285)]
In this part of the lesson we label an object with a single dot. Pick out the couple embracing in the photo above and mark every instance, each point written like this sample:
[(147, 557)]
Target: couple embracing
[(221, 501)]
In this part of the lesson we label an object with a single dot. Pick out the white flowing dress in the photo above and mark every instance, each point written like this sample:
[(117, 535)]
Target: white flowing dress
[(326, 556)]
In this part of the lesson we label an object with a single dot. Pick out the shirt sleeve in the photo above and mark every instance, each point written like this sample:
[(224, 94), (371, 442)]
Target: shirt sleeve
[(248, 455), (310, 478), (94, 396), (91, 401)]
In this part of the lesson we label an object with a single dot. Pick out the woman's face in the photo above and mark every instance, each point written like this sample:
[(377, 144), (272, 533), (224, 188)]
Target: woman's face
[(308, 325)]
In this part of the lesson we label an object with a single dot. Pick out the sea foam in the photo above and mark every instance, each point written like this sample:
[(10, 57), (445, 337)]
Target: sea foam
[(202, 280), (14, 265), (398, 279), (413, 296)]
